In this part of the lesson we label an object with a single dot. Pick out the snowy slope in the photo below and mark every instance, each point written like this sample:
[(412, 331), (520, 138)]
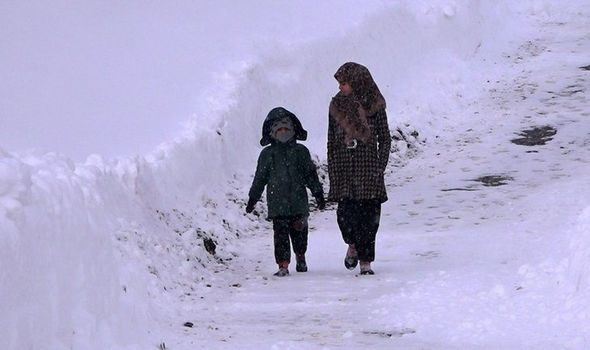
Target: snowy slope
[(112, 253), (483, 244)]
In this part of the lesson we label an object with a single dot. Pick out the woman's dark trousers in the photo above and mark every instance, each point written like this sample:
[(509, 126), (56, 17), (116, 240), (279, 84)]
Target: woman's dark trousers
[(359, 221), (285, 228)]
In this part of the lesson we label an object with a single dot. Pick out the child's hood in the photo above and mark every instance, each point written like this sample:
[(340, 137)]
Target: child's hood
[(279, 113)]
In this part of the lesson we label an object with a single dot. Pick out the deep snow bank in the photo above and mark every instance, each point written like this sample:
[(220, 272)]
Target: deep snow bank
[(89, 252)]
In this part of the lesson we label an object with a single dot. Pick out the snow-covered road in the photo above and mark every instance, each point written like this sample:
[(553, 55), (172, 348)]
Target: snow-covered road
[(483, 243), (475, 242)]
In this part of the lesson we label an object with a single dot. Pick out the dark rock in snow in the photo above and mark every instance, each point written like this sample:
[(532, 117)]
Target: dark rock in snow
[(536, 136), (494, 180), (210, 245)]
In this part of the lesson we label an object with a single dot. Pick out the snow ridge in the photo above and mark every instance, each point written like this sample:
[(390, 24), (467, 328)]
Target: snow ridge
[(94, 254)]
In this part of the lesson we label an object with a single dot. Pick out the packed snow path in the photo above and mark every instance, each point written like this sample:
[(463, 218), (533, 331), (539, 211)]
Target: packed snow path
[(466, 239)]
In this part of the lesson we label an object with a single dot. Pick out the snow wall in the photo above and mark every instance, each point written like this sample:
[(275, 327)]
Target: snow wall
[(90, 252)]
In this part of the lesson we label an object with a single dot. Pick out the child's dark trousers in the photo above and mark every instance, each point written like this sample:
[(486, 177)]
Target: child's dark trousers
[(293, 228)]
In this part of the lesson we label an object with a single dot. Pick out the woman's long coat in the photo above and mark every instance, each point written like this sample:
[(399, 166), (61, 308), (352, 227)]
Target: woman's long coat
[(359, 173)]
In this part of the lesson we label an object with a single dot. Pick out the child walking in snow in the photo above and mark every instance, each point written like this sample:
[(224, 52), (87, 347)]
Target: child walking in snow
[(285, 168)]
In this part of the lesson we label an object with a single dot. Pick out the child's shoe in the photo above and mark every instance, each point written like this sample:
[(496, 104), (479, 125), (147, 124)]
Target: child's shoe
[(301, 264), (283, 271), (351, 259), (366, 268)]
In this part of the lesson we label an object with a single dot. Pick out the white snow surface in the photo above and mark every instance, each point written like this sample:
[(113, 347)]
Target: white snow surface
[(483, 244)]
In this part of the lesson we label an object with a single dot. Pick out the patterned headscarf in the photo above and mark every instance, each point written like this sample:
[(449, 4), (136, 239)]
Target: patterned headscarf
[(364, 89), (351, 112)]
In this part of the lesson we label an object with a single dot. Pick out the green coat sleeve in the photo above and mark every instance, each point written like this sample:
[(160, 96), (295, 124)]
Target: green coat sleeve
[(311, 175), (261, 176)]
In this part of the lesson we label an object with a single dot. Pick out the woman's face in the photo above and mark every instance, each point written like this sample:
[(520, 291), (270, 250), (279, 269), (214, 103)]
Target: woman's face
[(345, 88)]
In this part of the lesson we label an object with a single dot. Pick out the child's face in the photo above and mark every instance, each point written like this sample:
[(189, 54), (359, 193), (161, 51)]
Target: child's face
[(282, 130), (345, 88)]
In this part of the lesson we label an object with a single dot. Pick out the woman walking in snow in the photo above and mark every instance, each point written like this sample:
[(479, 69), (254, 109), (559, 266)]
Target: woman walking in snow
[(358, 150)]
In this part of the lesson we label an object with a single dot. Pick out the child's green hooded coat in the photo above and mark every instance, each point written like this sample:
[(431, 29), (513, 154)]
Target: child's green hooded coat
[(286, 169)]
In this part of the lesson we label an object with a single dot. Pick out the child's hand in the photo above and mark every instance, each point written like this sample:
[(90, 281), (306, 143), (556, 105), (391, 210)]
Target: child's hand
[(300, 224), (250, 205)]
